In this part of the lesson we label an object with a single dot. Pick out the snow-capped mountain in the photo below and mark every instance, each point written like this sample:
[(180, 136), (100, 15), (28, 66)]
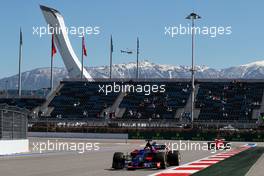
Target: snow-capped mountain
[(254, 70), (39, 78)]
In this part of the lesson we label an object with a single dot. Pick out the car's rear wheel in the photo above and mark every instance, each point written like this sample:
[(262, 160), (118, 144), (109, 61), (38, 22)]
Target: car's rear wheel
[(161, 160), (118, 160), (174, 158)]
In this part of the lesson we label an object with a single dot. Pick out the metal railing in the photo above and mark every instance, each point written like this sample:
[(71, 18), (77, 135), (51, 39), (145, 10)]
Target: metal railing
[(13, 123)]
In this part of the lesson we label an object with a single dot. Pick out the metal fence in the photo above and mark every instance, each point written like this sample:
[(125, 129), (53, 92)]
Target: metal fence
[(67, 123), (13, 122)]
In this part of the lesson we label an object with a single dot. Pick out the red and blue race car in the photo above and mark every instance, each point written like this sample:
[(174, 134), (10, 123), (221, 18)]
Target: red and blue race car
[(151, 156)]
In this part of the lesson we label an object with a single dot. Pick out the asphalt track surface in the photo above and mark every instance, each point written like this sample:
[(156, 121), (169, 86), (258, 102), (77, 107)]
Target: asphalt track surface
[(89, 163)]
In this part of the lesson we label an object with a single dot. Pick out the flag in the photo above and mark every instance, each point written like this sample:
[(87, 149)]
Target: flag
[(53, 47), (83, 47), (112, 47), (21, 41)]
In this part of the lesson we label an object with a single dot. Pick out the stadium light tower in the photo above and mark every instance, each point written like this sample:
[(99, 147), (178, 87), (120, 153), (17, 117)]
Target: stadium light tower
[(193, 16)]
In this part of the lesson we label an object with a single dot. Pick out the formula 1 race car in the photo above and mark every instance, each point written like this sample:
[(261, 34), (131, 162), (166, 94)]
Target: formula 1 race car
[(219, 144), (151, 156)]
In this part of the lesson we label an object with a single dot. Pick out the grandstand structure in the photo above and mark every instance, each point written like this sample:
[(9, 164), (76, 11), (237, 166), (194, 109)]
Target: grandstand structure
[(215, 100), (28, 103)]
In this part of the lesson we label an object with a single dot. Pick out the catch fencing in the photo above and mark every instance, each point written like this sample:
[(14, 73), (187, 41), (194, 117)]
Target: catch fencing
[(13, 123)]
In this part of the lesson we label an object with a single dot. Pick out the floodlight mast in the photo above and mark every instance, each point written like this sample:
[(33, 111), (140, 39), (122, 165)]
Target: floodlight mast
[(193, 16)]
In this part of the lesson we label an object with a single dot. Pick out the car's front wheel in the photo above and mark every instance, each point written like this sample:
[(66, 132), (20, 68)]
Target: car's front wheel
[(161, 160)]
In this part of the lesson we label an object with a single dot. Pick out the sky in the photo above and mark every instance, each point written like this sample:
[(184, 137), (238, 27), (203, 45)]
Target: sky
[(128, 19)]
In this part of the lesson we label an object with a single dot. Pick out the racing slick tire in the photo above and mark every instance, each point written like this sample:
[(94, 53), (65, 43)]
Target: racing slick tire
[(173, 158), (161, 158), (118, 160)]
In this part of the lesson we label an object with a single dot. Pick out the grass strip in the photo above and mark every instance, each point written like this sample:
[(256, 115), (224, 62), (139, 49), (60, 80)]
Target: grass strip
[(237, 165)]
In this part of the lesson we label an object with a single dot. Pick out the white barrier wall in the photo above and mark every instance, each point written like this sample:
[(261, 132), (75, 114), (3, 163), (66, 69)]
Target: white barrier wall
[(8, 147), (79, 135)]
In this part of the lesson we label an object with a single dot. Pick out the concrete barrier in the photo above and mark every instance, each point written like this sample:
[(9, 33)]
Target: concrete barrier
[(79, 135), (8, 147)]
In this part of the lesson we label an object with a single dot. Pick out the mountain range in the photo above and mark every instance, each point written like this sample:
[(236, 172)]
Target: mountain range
[(39, 78)]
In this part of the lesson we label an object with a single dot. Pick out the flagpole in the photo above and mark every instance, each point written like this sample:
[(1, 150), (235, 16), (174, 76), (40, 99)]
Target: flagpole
[(111, 57), (51, 73), (137, 76), (82, 67), (20, 61), (51, 64), (82, 57)]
